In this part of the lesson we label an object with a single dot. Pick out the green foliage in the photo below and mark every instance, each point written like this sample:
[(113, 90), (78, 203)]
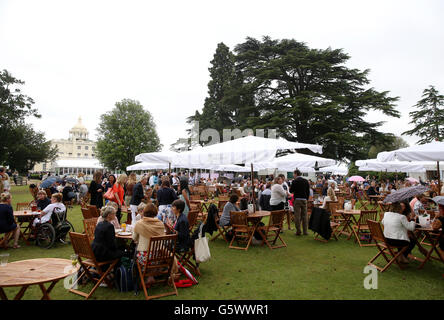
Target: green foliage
[(309, 95), (380, 175), (429, 117), (392, 143), (125, 132), (21, 146), (28, 148)]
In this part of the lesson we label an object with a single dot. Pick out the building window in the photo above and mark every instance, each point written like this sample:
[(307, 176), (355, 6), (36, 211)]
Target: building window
[(93, 155), (79, 147), (44, 167), (86, 147), (93, 148), (78, 154), (70, 154), (86, 154)]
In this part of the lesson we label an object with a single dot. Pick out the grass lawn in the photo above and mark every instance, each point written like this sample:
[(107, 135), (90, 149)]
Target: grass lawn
[(306, 269)]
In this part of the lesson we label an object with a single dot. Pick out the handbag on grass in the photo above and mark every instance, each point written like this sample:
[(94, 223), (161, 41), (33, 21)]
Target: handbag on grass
[(201, 249)]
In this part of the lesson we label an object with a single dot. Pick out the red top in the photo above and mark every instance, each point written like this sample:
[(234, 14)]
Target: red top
[(117, 188)]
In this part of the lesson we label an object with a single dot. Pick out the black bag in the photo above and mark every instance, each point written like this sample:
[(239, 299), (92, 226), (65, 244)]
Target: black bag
[(229, 235), (124, 275)]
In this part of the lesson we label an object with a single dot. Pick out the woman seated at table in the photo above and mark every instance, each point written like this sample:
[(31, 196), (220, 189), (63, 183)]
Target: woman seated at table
[(437, 224), (331, 196), (104, 245), (181, 226), (230, 206), (149, 226), (396, 227), (7, 222), (42, 200), (115, 221), (55, 206), (140, 209)]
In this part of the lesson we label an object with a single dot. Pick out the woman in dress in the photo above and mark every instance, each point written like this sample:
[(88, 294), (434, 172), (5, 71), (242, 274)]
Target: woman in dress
[(119, 193), (185, 195), (7, 222), (96, 190)]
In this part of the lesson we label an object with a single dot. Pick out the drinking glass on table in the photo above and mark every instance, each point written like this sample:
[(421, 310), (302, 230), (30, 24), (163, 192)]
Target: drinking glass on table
[(74, 259), (4, 259)]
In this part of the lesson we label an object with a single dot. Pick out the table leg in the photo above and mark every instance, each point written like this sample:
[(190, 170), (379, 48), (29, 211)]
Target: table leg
[(47, 291), (3, 294), (19, 295)]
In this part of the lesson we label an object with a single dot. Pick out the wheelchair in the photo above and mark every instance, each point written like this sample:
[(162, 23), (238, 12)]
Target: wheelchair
[(54, 230)]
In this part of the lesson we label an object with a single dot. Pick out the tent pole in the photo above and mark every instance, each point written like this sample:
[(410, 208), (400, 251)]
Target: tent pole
[(169, 168), (439, 179), (252, 184)]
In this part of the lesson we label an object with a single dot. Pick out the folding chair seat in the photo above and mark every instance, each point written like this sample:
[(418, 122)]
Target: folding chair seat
[(363, 202), (159, 264), (82, 248), (273, 229), (243, 231), (90, 227), (5, 238), (362, 229), (386, 250), (86, 213), (192, 218), (221, 230), (186, 259)]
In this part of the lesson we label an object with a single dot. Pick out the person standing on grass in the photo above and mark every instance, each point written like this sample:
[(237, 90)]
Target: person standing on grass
[(278, 195), (137, 196), (301, 191)]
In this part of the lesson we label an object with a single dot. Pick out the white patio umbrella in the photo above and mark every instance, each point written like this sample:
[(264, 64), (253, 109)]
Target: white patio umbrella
[(391, 166), (147, 166), (337, 169), (293, 161), (248, 149), (230, 168), (433, 151)]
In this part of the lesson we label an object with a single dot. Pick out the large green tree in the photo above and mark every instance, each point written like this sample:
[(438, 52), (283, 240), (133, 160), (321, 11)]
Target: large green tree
[(308, 95), (124, 132), (429, 118), (391, 142), (21, 146)]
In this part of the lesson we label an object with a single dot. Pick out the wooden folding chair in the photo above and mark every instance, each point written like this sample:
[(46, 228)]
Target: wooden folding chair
[(362, 229), (221, 230), (192, 218), (243, 232), (195, 197), (95, 213), (159, 264), (90, 227), (85, 200), (4, 240), (337, 220), (273, 229), (86, 213), (363, 202), (22, 206), (384, 248), (433, 239), (221, 204), (82, 248)]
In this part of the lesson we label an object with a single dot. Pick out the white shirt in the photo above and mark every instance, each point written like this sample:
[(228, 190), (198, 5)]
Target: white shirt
[(53, 207), (278, 194), (396, 226)]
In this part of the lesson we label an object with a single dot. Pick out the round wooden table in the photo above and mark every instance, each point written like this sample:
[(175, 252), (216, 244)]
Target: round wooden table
[(25, 273), (24, 220)]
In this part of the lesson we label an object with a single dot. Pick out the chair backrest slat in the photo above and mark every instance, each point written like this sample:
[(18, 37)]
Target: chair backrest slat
[(90, 227), (367, 215), (81, 245), (192, 218), (238, 218), (376, 230), (276, 218), (86, 213)]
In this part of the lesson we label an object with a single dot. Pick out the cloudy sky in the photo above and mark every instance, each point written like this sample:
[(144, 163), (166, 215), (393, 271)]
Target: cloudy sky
[(79, 57)]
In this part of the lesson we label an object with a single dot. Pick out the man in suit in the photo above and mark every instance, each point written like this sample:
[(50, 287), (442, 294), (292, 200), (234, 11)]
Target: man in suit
[(301, 191)]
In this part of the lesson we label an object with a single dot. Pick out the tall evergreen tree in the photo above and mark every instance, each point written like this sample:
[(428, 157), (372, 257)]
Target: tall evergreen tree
[(310, 96), (217, 112), (429, 118)]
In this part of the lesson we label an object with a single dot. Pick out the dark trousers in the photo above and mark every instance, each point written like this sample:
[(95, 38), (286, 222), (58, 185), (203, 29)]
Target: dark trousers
[(402, 243), (119, 214), (279, 206)]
